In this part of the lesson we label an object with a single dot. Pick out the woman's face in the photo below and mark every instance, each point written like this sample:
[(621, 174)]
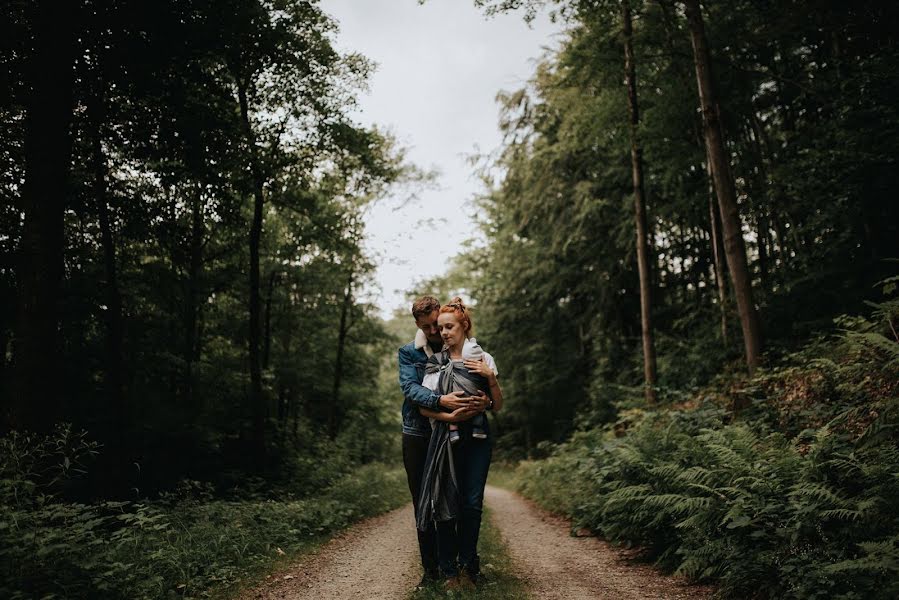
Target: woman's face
[(451, 330)]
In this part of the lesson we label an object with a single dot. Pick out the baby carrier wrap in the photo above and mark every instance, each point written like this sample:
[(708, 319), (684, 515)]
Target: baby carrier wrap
[(439, 499)]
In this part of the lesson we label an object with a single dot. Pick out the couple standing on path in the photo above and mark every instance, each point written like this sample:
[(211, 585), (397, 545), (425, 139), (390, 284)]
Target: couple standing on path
[(448, 382)]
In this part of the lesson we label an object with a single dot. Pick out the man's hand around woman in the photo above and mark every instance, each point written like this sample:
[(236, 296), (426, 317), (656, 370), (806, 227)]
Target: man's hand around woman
[(458, 400)]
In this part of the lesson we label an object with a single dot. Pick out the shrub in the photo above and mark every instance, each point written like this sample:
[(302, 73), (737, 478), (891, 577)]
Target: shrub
[(791, 496), (185, 543)]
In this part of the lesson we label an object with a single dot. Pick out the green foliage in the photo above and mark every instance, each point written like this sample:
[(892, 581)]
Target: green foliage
[(186, 542), (812, 138), (154, 305), (792, 496)]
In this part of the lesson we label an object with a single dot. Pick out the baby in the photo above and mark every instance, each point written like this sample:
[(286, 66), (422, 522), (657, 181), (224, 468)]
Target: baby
[(469, 383)]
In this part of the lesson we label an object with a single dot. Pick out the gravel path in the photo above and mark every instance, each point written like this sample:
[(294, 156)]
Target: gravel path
[(377, 558), (558, 566)]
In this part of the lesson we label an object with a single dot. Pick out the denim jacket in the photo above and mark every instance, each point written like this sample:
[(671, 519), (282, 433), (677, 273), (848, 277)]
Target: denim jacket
[(412, 360)]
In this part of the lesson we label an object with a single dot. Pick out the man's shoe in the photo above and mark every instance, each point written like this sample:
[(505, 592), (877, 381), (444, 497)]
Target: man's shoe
[(427, 579)]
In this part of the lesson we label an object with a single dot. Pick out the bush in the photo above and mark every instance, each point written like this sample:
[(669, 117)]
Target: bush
[(185, 543), (791, 496)]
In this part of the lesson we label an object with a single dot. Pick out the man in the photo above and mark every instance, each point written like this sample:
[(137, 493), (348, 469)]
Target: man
[(416, 428)]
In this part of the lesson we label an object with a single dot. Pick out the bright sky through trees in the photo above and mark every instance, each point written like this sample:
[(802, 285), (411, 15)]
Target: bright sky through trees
[(440, 66)]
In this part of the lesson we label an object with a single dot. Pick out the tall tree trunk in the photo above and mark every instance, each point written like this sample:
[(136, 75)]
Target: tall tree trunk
[(115, 379), (783, 248), (734, 245), (762, 234), (192, 310), (37, 401), (334, 404), (256, 399), (267, 339), (175, 299), (649, 351), (7, 315), (767, 260), (699, 263), (720, 275)]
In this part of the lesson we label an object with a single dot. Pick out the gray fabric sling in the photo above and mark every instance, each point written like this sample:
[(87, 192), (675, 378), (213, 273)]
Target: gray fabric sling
[(439, 499)]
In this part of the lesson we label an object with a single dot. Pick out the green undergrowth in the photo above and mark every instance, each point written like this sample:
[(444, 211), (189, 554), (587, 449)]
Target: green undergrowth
[(780, 486), (184, 546), (503, 475), (496, 564)]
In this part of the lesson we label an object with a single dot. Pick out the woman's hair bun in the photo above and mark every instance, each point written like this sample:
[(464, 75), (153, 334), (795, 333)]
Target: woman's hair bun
[(456, 303)]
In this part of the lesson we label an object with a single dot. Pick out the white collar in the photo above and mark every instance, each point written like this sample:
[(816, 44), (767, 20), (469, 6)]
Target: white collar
[(421, 343)]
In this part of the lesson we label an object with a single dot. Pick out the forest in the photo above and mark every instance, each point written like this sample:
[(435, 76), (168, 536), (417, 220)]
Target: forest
[(689, 278)]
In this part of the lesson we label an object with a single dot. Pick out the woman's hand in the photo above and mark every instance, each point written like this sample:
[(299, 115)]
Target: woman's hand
[(481, 368), (461, 414)]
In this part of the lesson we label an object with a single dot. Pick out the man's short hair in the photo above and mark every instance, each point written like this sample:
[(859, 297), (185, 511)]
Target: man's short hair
[(424, 306)]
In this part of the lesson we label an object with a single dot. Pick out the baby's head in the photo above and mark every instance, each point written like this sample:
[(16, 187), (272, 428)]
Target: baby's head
[(471, 350)]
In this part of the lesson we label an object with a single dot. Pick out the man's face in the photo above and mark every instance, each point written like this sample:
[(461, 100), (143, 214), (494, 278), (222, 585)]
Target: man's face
[(428, 324)]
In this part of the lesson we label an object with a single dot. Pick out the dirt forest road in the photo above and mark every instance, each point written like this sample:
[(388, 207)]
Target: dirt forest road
[(378, 559), (556, 565)]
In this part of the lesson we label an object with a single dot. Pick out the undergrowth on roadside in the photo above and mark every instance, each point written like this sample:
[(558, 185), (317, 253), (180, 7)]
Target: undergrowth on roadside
[(496, 564), (781, 486), (185, 544)]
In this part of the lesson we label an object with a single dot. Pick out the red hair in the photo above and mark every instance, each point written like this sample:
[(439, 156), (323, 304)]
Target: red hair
[(457, 307)]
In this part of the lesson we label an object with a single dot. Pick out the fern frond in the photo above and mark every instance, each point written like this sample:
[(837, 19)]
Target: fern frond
[(817, 492)]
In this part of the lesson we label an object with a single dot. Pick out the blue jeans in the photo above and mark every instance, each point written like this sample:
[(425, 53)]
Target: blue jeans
[(458, 539)]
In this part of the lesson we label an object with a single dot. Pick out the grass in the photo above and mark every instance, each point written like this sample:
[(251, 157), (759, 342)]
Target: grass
[(190, 548), (353, 497), (503, 475), (497, 566)]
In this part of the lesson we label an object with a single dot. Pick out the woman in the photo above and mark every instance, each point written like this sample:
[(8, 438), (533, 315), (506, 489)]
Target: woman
[(457, 473)]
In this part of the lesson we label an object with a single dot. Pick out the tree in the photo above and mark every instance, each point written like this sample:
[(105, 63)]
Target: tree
[(47, 155), (277, 61), (649, 352), (734, 245), (150, 163)]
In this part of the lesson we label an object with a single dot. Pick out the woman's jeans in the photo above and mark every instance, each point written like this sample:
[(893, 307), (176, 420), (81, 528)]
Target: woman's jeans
[(459, 538)]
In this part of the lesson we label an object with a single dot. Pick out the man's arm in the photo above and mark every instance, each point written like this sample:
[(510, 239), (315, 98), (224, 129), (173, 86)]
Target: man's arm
[(411, 386), (422, 396)]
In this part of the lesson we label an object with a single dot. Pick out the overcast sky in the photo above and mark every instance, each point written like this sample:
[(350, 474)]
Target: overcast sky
[(440, 67)]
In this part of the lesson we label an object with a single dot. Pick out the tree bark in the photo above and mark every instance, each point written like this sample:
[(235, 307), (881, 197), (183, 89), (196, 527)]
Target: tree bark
[(720, 275), (755, 134), (7, 317), (267, 340), (192, 311), (649, 352), (37, 401), (256, 399), (170, 242), (334, 404), (734, 244), (115, 379), (763, 233)]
